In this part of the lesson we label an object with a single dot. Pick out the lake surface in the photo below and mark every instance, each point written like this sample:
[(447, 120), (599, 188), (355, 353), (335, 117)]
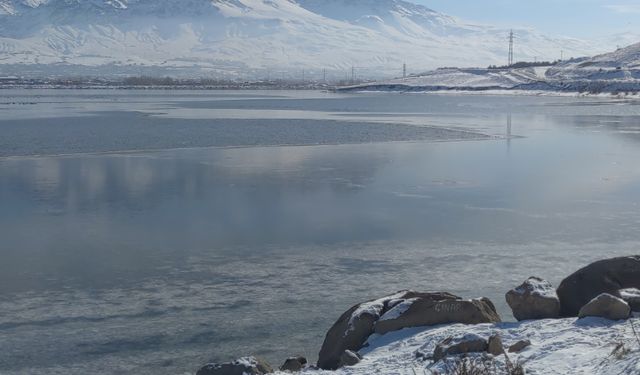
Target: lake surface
[(148, 232)]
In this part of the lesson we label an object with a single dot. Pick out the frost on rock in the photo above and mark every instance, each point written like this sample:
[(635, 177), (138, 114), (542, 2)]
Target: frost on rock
[(534, 299), (537, 287)]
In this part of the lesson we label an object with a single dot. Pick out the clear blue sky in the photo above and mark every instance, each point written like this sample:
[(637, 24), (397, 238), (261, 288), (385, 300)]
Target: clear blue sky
[(578, 18)]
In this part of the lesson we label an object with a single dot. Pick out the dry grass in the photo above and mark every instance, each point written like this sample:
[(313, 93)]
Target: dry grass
[(622, 348), (479, 366), (635, 332)]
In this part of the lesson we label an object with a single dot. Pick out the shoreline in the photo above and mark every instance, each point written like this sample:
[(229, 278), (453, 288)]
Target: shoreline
[(586, 325)]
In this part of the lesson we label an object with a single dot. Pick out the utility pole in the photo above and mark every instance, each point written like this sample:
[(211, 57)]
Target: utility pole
[(404, 70), (302, 75), (324, 75), (561, 55), (511, 38)]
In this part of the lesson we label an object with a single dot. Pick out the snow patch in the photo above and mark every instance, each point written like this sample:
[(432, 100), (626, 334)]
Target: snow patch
[(399, 309), (373, 308), (537, 287), (630, 293)]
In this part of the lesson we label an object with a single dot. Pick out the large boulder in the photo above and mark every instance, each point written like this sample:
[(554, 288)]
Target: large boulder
[(534, 299), (605, 276), (469, 343), (632, 297), (242, 366), (354, 327), (606, 306), (401, 310), (426, 311)]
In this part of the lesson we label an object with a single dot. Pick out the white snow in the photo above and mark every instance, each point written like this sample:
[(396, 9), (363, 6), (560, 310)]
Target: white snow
[(561, 346), (246, 361), (536, 287), (398, 309), (630, 293), (374, 308)]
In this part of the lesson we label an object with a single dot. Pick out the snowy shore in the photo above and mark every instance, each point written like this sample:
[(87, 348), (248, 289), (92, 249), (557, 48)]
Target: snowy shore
[(588, 325), (558, 346)]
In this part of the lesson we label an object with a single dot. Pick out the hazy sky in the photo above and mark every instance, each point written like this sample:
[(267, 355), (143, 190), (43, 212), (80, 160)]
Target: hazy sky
[(578, 18)]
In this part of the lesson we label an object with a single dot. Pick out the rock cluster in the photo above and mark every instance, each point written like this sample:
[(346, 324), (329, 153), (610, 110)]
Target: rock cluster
[(242, 366), (604, 276), (608, 289)]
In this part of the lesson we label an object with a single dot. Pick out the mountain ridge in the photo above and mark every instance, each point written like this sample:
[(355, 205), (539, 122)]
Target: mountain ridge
[(234, 38)]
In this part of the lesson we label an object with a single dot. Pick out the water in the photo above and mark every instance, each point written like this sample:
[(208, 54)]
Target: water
[(149, 232)]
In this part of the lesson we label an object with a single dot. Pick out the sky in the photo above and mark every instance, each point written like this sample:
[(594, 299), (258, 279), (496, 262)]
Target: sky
[(577, 18)]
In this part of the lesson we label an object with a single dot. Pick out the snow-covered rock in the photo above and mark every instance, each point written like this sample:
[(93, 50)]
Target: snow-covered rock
[(468, 343), (395, 312), (354, 326), (242, 366), (534, 299)]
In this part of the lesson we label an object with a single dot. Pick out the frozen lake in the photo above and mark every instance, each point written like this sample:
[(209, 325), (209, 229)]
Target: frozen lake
[(148, 232)]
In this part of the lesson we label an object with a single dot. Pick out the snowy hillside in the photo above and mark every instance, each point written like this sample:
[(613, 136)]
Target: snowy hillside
[(622, 64), (255, 37), (614, 72), (463, 79)]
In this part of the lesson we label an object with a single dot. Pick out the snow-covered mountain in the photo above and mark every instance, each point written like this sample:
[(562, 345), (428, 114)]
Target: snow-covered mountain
[(253, 37)]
